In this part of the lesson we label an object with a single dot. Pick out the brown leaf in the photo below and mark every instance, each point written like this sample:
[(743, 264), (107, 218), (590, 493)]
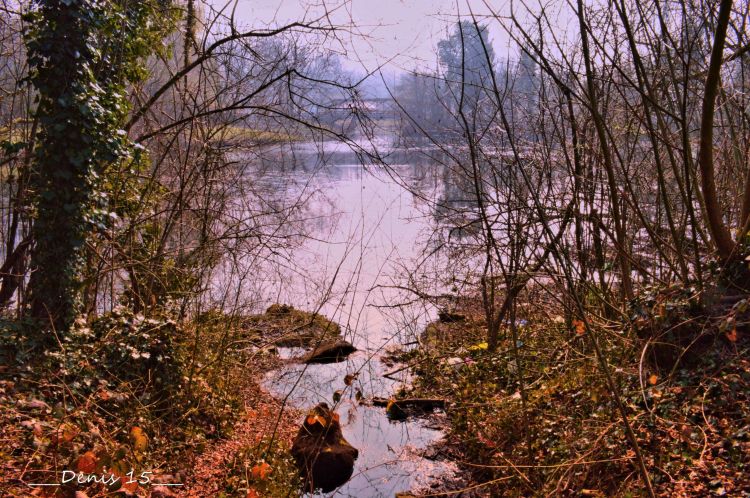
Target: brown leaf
[(138, 439), (579, 327), (87, 463), (261, 471), (732, 335), (130, 487), (124, 485), (66, 433), (316, 419)]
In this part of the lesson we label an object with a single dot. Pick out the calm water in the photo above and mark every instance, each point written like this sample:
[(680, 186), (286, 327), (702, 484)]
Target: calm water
[(364, 230)]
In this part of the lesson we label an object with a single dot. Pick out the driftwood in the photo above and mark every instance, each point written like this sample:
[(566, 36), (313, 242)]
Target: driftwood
[(423, 403), (331, 352)]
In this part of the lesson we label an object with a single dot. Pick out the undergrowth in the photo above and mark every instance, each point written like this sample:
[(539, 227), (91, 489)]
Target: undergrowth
[(558, 432), (126, 393)]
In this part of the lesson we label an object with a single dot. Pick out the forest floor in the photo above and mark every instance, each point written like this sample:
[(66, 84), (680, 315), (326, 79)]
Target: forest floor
[(235, 462), (531, 420)]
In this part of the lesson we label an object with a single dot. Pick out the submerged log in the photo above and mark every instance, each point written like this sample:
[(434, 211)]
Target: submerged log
[(324, 458)]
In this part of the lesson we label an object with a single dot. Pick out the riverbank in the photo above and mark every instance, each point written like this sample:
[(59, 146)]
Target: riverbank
[(255, 459), (539, 420), (180, 403)]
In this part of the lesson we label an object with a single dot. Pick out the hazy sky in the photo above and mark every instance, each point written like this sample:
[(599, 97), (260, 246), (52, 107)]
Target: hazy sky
[(405, 32)]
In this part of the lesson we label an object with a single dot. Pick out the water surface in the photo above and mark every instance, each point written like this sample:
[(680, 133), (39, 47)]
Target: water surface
[(365, 230)]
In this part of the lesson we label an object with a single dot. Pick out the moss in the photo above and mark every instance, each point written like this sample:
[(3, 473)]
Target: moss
[(285, 326)]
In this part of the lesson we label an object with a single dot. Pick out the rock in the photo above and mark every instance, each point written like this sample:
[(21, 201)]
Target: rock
[(325, 459), (330, 352)]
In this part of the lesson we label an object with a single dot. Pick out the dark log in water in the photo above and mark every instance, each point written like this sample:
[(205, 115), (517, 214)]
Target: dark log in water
[(324, 458), (330, 353), (426, 403)]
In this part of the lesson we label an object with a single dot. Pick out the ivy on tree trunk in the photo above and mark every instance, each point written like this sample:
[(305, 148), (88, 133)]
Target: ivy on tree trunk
[(81, 55)]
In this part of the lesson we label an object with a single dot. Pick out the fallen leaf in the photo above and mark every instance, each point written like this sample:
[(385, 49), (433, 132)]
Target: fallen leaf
[(66, 433), (580, 327), (482, 346), (653, 379), (130, 487), (732, 335), (251, 493), (316, 419), (138, 439), (87, 463), (124, 482), (34, 404), (261, 471)]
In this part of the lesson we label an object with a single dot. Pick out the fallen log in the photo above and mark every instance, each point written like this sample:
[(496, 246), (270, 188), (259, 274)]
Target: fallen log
[(331, 352), (423, 403)]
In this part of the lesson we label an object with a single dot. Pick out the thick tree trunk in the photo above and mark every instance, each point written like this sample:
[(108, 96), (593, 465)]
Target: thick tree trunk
[(60, 57), (719, 232)]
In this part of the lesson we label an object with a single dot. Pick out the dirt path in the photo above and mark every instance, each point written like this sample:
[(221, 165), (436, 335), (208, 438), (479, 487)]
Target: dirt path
[(212, 470)]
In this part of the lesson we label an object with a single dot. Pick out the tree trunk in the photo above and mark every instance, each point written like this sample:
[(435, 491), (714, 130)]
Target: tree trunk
[(60, 59), (722, 238)]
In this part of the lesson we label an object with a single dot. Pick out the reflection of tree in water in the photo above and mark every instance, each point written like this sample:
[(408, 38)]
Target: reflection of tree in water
[(277, 204)]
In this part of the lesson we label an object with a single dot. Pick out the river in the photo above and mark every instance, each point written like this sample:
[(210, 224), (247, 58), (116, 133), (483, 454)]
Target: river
[(362, 232)]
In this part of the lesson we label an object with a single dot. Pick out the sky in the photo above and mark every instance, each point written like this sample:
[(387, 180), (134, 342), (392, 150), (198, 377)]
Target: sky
[(397, 34)]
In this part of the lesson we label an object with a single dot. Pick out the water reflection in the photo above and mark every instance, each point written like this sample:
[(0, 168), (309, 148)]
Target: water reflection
[(362, 229), (390, 452)]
